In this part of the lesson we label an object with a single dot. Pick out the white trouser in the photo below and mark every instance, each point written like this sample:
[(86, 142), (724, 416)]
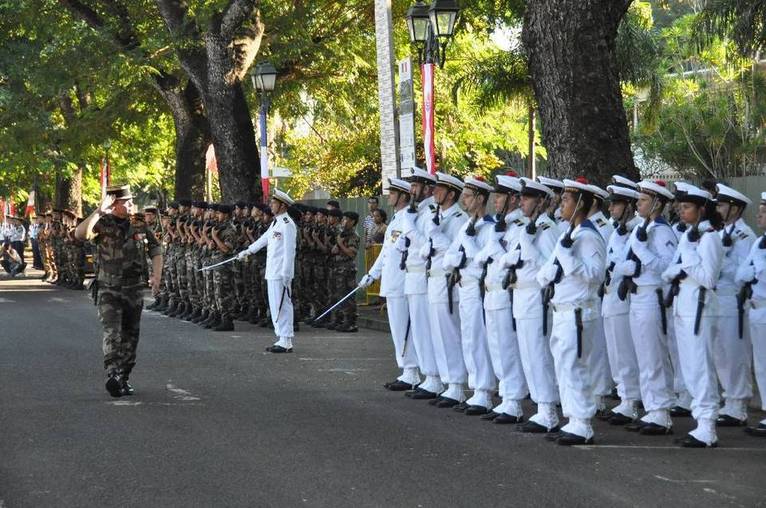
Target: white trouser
[(650, 345), (420, 332), (536, 360), (695, 353), (599, 361), (572, 371), (504, 351), (445, 334), (733, 364), (622, 356), (398, 316), (758, 336), (683, 399), (282, 319), (474, 339)]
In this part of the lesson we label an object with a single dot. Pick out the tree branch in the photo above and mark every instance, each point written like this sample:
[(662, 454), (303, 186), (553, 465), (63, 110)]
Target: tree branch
[(235, 15)]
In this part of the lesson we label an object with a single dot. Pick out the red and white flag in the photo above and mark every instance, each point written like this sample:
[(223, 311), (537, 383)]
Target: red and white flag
[(30, 210), (428, 117), (3, 208)]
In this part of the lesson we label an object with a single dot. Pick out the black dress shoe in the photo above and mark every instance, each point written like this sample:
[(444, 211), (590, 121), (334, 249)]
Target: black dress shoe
[(490, 416), (567, 439), (619, 419), (114, 386), (278, 349), (460, 407), (420, 394), (730, 421), (226, 325), (757, 431), (635, 426), (126, 388), (692, 442), (680, 412), (447, 402), (475, 410), (435, 401), (505, 418), (604, 414), (398, 386), (535, 428), (652, 429)]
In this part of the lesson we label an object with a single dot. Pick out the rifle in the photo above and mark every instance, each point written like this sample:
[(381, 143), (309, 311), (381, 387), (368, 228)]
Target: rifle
[(621, 229), (550, 289), (627, 285), (411, 209), (431, 250), (676, 282)]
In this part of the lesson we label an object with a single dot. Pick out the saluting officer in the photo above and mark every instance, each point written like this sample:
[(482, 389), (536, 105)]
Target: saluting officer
[(119, 254), (280, 240)]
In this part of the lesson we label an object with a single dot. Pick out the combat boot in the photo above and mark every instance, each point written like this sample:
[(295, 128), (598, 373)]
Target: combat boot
[(171, 307), (213, 322), (264, 322), (125, 387), (164, 303), (153, 305), (225, 325), (203, 315), (174, 309), (114, 384), (180, 310), (186, 316)]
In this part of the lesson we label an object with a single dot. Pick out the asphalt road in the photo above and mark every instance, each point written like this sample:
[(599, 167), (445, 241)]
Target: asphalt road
[(218, 422)]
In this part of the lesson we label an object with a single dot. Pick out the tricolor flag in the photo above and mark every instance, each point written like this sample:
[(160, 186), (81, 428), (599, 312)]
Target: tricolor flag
[(30, 210), (3, 208), (428, 117)]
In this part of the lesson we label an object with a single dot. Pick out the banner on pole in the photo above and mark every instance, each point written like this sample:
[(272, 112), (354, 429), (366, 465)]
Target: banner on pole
[(30, 210), (428, 117), (406, 116)]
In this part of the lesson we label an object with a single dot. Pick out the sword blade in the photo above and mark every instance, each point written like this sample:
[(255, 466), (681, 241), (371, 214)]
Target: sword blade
[(337, 304)]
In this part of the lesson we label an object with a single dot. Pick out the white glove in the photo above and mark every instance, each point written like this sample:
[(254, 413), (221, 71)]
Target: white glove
[(546, 274), (366, 281), (626, 268), (287, 282), (671, 272), (425, 250), (511, 258), (401, 244), (242, 255)]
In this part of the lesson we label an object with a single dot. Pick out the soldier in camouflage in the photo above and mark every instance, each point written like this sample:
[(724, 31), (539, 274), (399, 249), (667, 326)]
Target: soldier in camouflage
[(225, 238), (344, 263), (120, 300)]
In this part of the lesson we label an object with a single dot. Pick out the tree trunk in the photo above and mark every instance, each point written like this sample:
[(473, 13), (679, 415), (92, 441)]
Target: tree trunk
[(192, 137), (570, 45), (69, 191)]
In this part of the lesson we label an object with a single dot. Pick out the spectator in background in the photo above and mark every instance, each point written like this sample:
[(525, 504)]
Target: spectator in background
[(17, 236), (34, 230), (378, 231), (10, 260), (333, 205), (369, 222)]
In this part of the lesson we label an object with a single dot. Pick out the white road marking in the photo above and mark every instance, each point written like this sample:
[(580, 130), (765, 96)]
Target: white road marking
[(306, 359), (5, 300), (670, 480), (56, 299), (128, 403), (639, 447), (180, 393)]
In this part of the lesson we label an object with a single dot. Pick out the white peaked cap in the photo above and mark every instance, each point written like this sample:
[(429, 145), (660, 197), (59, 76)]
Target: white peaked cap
[(283, 197), (529, 186), (478, 184), (449, 181), (727, 194), (507, 183), (399, 185), (620, 180), (655, 189), (419, 173), (623, 192)]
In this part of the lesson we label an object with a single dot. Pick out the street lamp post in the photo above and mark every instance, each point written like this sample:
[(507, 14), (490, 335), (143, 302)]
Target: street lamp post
[(264, 80), (430, 29)]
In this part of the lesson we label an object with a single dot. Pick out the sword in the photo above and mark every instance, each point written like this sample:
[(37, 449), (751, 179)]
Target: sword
[(210, 267), (282, 300), (578, 327), (406, 337), (663, 316), (700, 307), (338, 303)]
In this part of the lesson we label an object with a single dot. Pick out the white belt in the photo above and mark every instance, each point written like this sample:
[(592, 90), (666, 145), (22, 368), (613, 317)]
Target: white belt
[(468, 281), (415, 269), (494, 287), (563, 307), (726, 292), (526, 285), (758, 304), (437, 273), (651, 288)]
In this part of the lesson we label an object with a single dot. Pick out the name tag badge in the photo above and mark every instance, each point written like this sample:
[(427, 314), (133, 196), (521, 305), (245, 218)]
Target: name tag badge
[(277, 235)]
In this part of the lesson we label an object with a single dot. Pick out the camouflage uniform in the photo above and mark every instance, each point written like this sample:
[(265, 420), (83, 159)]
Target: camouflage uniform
[(344, 316), (258, 278), (119, 251), (223, 281)]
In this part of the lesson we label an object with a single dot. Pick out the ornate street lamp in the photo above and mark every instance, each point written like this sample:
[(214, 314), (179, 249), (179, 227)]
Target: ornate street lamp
[(418, 22), (264, 80), (431, 28)]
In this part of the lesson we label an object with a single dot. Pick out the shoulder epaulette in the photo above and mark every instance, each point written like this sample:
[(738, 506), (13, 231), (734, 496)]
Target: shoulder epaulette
[(545, 226), (519, 222), (458, 214), (287, 221)]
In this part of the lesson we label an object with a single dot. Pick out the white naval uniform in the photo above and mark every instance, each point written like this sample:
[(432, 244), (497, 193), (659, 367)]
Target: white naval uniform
[(279, 241), (583, 266), (445, 325), (754, 268), (650, 343), (701, 261), (534, 347), (501, 333), (732, 355), (387, 269), (602, 375), (473, 333), (416, 291), (683, 399), (619, 342)]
